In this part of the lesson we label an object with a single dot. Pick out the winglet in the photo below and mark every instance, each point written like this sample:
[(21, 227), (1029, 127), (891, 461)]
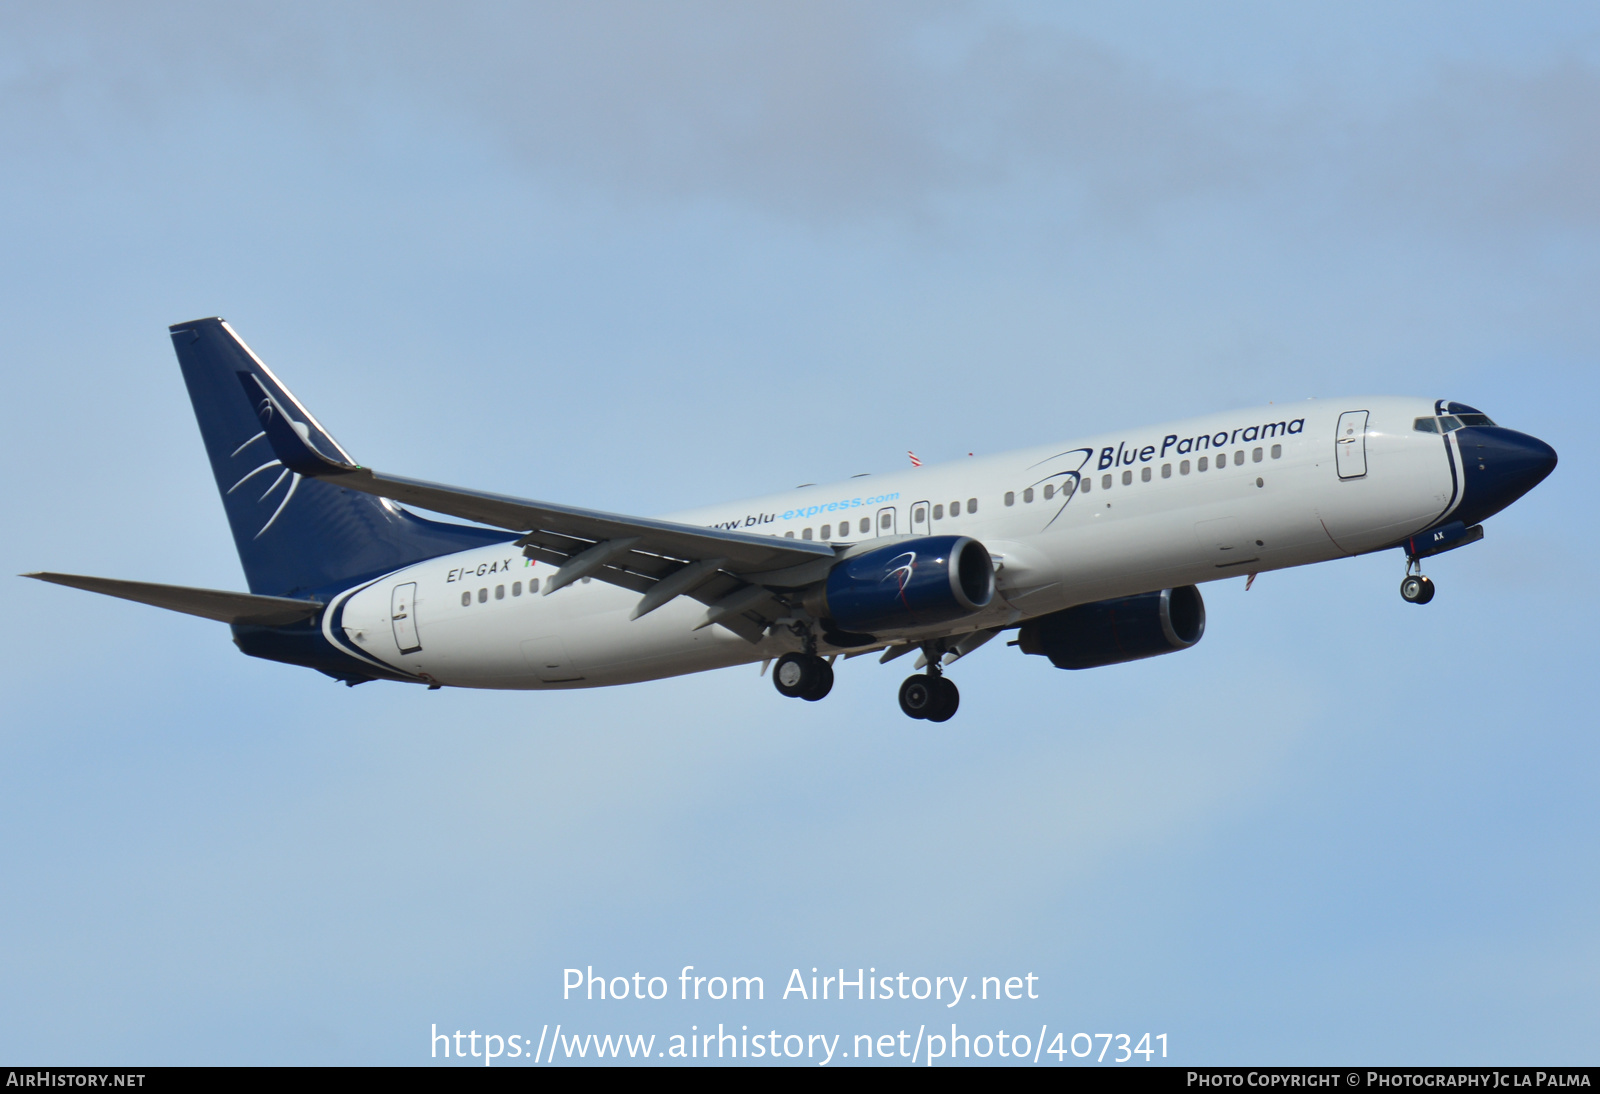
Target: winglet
[(289, 437)]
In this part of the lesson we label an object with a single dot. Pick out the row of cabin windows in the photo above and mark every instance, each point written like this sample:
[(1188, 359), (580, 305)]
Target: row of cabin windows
[(919, 514), (886, 520), (499, 592), (1145, 474), (844, 528)]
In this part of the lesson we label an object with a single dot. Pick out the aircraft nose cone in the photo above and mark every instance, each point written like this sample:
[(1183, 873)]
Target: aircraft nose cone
[(1500, 465)]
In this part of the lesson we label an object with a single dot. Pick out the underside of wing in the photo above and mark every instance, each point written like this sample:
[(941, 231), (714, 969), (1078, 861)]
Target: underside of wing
[(730, 572)]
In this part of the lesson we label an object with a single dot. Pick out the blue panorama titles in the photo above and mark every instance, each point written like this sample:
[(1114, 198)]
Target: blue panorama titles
[(1125, 455)]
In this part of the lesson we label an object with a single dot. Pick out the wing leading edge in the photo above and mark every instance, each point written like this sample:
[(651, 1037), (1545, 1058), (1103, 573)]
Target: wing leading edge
[(731, 572)]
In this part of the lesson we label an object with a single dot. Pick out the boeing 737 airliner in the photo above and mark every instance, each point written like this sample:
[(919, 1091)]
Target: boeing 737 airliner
[(1090, 550)]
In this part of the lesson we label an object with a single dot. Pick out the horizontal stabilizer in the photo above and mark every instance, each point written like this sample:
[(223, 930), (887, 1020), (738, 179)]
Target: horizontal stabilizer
[(224, 607)]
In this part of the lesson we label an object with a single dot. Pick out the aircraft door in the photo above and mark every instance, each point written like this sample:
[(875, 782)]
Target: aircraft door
[(919, 518), (402, 613), (886, 522), (1350, 446)]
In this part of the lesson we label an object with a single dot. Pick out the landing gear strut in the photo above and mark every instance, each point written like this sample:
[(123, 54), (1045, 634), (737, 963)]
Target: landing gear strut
[(929, 696), (1415, 589), (803, 676)]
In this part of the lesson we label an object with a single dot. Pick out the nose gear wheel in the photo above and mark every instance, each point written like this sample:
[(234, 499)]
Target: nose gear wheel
[(1416, 589)]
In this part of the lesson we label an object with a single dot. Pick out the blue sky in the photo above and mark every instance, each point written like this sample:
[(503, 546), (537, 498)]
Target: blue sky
[(641, 258)]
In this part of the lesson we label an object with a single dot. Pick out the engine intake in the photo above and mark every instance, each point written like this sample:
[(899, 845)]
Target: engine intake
[(1109, 632), (911, 583)]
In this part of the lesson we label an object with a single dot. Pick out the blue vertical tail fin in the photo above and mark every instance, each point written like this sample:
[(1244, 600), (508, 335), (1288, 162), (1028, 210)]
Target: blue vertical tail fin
[(295, 535)]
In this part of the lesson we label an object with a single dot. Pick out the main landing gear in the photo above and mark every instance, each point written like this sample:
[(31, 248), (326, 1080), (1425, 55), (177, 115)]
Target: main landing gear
[(929, 696), (803, 676), (1415, 589)]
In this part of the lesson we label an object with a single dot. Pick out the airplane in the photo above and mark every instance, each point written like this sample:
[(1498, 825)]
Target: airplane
[(1090, 550)]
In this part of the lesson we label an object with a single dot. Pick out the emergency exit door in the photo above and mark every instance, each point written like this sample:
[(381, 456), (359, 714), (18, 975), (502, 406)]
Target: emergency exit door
[(1350, 446), (402, 613)]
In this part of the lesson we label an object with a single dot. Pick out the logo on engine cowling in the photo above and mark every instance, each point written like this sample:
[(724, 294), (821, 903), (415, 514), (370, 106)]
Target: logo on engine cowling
[(901, 571)]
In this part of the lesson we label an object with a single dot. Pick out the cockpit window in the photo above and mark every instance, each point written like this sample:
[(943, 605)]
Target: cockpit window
[(1449, 423)]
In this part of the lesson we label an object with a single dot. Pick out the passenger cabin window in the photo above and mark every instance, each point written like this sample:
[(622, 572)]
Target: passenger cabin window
[(499, 592), (938, 512), (886, 521), (1222, 460), (1238, 459), (806, 534), (920, 515), (1027, 494), (1256, 455), (866, 525), (1127, 478), (466, 599), (1201, 463), (1183, 467), (827, 531), (1011, 497), (533, 586), (972, 505), (1105, 482), (1144, 475), (955, 509), (516, 588), (1049, 491), (483, 596), (1086, 484), (1166, 471), (788, 535), (1277, 451)]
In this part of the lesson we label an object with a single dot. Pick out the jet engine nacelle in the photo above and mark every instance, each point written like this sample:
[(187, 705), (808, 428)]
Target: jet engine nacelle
[(1109, 632), (912, 583)]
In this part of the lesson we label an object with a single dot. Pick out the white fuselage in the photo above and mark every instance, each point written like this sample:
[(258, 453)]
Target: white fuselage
[(1157, 507)]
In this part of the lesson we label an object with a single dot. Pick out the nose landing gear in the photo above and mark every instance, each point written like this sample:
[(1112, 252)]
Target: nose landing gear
[(1416, 589), (803, 676)]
